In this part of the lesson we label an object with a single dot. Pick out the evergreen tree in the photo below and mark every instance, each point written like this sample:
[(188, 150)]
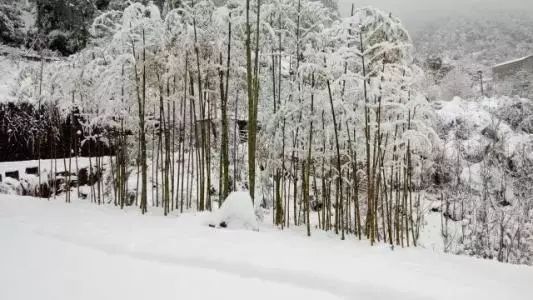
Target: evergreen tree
[(11, 24), (65, 23)]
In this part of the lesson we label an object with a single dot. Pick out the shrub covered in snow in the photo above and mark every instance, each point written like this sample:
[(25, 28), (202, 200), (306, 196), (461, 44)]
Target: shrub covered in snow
[(487, 159), (9, 186), (237, 211)]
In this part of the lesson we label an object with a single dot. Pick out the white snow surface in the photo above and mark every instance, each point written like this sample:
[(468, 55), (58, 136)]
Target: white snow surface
[(53, 250), (237, 211)]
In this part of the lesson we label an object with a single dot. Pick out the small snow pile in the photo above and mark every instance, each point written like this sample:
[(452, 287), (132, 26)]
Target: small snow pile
[(9, 186), (237, 211)]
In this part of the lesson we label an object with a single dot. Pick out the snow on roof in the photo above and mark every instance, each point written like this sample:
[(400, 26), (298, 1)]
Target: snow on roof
[(513, 61)]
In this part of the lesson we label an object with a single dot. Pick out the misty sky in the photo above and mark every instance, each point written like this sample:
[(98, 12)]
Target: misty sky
[(413, 11)]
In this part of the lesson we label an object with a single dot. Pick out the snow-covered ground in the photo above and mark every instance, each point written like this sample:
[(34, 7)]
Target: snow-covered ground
[(52, 250)]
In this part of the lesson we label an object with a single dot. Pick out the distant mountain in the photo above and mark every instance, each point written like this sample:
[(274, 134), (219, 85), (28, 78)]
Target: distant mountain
[(475, 40)]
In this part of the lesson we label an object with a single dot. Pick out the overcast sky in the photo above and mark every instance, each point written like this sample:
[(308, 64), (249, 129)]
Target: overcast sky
[(411, 11)]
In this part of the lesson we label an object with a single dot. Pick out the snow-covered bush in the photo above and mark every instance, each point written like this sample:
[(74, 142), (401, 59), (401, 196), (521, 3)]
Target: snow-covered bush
[(488, 164), (27, 185), (236, 212), (106, 25), (9, 186), (515, 112)]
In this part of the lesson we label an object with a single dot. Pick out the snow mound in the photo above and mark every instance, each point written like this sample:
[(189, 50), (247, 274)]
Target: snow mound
[(237, 211), (9, 186)]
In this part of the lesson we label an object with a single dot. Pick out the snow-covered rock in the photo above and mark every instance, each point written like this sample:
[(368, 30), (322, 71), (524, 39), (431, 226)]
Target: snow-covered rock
[(237, 211)]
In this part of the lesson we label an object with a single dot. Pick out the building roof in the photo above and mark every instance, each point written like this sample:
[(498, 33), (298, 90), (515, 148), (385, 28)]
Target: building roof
[(512, 61)]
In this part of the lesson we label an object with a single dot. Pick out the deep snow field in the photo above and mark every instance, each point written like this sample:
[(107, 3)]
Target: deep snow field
[(53, 250)]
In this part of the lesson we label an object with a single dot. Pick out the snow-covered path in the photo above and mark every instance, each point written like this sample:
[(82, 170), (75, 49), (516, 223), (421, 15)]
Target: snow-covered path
[(52, 250)]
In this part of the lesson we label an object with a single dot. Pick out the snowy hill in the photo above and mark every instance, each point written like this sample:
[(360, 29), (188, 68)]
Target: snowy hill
[(81, 252), (476, 39)]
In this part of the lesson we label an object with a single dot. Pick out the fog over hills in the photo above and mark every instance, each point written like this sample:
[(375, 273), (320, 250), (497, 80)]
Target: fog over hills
[(415, 13)]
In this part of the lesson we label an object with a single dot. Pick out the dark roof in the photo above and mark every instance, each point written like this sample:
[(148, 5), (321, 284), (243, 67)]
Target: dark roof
[(511, 62)]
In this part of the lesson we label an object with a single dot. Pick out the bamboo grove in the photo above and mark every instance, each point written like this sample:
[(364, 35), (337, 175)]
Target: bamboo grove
[(316, 115)]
